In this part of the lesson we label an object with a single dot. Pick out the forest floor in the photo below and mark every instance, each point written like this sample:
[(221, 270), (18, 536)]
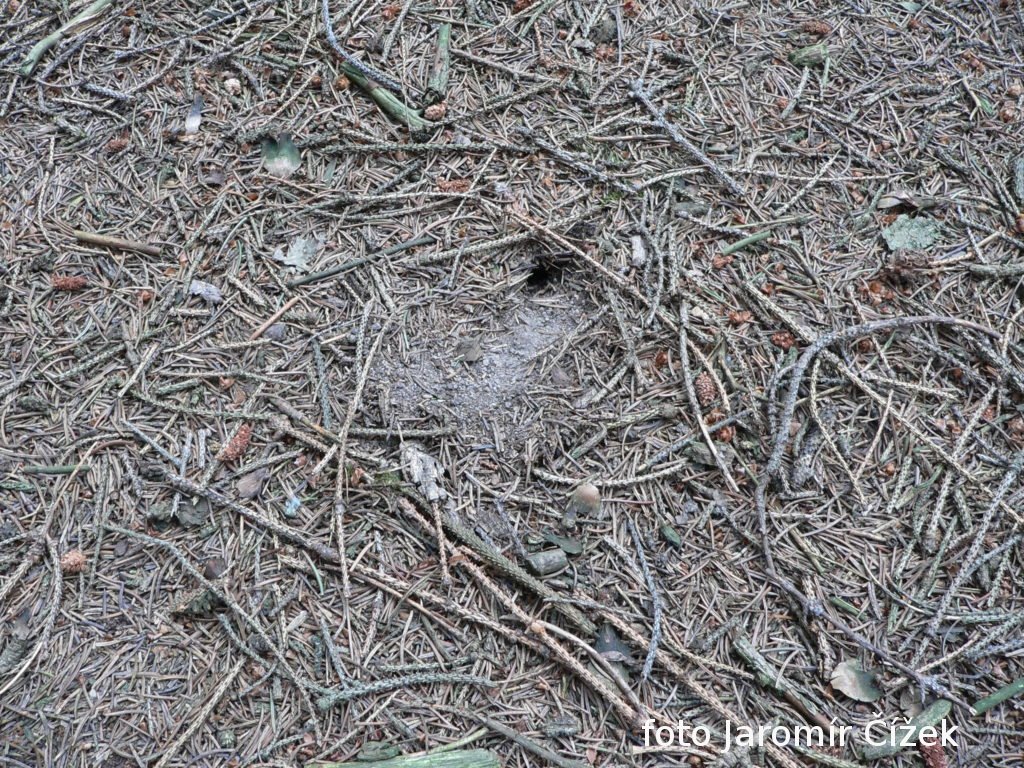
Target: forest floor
[(641, 362)]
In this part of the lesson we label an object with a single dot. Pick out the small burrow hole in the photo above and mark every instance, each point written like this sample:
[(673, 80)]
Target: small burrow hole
[(544, 274)]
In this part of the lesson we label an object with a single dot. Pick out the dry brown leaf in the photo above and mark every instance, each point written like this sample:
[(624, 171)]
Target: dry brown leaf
[(249, 486), (850, 678)]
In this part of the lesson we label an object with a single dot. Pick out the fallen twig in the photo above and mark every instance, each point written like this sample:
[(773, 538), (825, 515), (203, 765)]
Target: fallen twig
[(391, 250), (109, 241), (437, 86), (656, 604), (644, 98), (88, 14), (1003, 694)]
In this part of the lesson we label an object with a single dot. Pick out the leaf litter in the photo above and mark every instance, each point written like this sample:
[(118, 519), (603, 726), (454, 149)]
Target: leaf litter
[(624, 148)]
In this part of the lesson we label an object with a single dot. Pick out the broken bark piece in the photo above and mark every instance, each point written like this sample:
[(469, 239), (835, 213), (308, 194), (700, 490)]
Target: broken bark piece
[(811, 56), (547, 562)]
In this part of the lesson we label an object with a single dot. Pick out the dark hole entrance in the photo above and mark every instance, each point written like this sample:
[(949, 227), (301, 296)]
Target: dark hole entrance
[(543, 275)]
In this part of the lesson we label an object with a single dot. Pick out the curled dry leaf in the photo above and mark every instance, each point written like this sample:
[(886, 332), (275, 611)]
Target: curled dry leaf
[(850, 678), (207, 291), (614, 650), (249, 486), (359, 477), (215, 567), (68, 282), (896, 198)]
